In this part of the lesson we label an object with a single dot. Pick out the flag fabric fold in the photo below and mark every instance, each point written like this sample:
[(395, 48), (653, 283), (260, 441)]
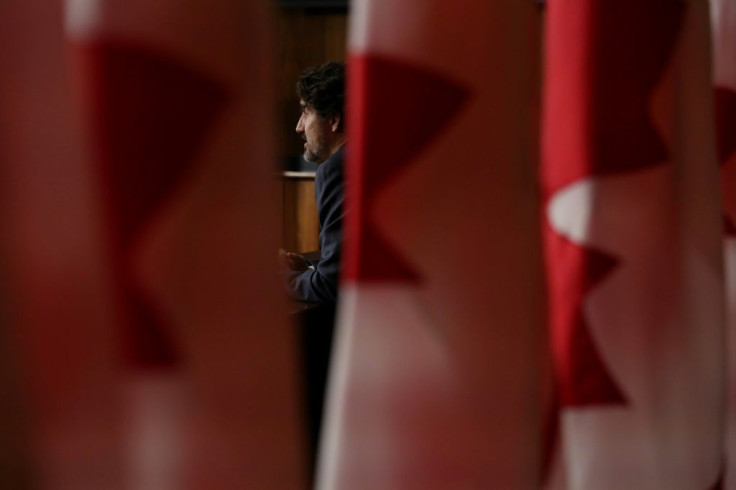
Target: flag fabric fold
[(60, 420), (177, 98), (633, 244), (435, 381)]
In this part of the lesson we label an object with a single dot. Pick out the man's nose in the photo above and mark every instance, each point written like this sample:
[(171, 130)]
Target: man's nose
[(299, 125)]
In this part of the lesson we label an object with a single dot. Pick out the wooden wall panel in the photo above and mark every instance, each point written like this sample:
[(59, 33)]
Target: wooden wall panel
[(305, 37), (301, 224)]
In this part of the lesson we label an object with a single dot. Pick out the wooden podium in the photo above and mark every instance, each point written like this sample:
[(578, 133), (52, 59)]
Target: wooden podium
[(300, 221)]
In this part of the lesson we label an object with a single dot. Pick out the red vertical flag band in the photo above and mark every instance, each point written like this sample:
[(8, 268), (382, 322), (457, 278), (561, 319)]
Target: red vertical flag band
[(60, 425), (723, 14), (633, 244), (435, 382)]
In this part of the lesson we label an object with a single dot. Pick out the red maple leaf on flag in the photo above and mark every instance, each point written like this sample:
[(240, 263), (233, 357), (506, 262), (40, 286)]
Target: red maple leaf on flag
[(397, 110), (151, 116), (605, 130)]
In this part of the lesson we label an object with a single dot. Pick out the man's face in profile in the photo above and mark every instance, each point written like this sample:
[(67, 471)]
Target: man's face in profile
[(315, 131)]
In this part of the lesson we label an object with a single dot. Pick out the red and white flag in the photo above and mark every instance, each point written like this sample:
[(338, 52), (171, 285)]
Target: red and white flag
[(634, 242), (435, 382), (59, 422), (178, 99), (723, 13)]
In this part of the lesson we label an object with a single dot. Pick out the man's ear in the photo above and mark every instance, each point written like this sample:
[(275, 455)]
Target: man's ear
[(335, 123)]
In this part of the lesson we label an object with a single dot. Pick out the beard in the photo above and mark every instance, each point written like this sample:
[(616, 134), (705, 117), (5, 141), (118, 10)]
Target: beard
[(316, 152)]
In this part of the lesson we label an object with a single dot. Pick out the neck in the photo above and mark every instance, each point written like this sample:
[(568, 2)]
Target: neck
[(337, 144)]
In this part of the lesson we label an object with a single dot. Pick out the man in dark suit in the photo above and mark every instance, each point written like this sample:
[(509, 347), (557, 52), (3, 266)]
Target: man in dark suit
[(321, 125)]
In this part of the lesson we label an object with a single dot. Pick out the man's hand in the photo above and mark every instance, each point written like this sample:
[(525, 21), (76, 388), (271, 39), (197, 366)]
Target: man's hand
[(293, 261)]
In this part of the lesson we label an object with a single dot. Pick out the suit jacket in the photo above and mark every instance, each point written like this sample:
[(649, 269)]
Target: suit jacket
[(321, 284)]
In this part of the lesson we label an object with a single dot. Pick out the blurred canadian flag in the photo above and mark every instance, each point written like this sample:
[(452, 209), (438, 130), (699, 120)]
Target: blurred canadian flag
[(435, 381), (634, 244), (178, 102), (142, 308)]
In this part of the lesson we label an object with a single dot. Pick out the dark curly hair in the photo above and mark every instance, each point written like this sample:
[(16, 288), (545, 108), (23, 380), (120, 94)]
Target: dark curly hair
[(323, 88)]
